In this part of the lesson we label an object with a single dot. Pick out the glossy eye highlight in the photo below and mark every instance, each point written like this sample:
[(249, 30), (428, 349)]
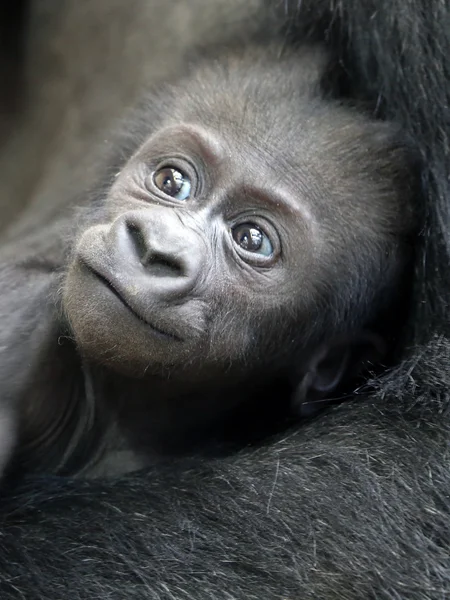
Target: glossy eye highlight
[(252, 239), (172, 182)]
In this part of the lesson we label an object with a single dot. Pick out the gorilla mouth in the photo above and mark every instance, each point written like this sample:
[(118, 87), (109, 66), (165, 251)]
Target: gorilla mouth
[(118, 295)]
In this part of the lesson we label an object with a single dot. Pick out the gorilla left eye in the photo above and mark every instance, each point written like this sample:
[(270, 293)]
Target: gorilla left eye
[(252, 239), (172, 182)]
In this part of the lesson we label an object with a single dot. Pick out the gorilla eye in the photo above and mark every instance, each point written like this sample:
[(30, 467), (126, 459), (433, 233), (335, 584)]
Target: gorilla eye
[(252, 239), (172, 182)]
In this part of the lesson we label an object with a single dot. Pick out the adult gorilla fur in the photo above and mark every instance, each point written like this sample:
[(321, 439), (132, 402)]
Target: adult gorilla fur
[(354, 504)]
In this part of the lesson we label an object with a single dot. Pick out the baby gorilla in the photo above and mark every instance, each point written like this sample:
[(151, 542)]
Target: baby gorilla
[(255, 232)]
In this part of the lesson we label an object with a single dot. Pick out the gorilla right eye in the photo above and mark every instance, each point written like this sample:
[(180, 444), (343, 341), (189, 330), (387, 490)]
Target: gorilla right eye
[(252, 239), (172, 182)]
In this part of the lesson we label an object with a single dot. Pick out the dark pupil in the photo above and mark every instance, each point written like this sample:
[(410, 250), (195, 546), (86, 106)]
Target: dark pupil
[(170, 181), (249, 238)]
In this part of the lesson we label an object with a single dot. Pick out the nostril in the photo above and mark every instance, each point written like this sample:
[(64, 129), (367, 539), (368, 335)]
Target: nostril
[(138, 239), (162, 265)]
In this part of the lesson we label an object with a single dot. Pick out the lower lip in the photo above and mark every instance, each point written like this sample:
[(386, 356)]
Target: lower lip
[(156, 330)]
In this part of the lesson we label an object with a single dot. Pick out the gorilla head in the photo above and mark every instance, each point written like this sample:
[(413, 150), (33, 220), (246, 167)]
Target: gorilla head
[(233, 242)]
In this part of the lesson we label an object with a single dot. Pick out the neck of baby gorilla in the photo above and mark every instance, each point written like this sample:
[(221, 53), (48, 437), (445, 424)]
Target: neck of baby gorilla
[(162, 416), (76, 409)]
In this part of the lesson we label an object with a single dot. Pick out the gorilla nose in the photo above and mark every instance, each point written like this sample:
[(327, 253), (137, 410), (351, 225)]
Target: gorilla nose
[(155, 247), (161, 260)]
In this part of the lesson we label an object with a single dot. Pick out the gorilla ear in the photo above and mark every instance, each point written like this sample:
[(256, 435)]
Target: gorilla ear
[(331, 366), (328, 368)]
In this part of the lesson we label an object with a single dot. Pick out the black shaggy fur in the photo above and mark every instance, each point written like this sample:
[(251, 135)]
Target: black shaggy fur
[(353, 505)]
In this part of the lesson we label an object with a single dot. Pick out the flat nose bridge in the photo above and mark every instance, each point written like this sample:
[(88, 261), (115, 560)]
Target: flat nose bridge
[(160, 248)]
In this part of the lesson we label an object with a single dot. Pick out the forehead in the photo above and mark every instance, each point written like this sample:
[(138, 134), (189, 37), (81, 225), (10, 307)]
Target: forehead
[(280, 134), (273, 123)]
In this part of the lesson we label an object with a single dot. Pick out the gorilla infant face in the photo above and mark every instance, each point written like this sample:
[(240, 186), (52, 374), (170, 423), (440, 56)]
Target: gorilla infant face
[(230, 231), (200, 245)]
